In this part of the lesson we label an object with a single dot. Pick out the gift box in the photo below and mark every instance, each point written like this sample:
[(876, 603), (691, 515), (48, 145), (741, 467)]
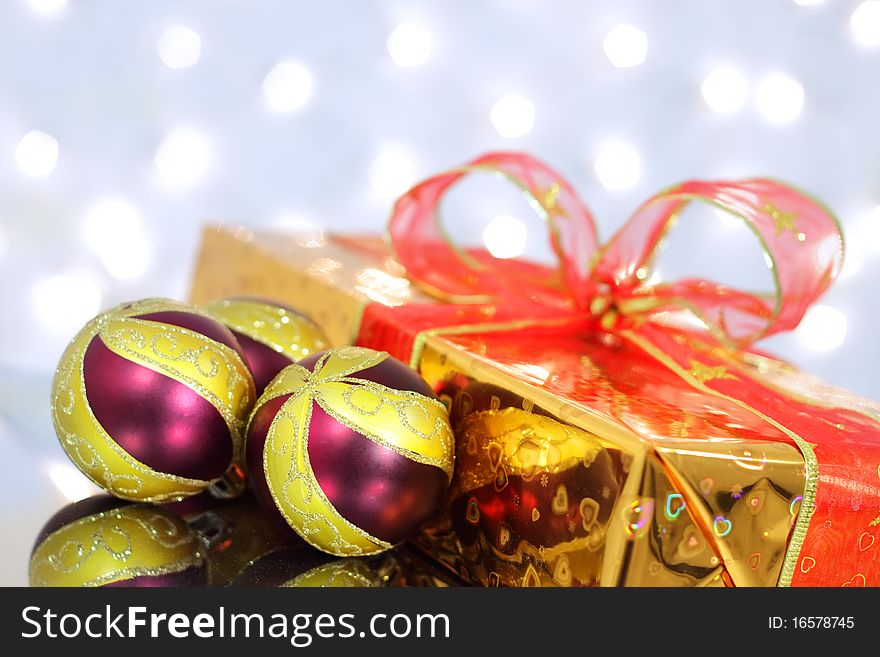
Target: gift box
[(608, 431)]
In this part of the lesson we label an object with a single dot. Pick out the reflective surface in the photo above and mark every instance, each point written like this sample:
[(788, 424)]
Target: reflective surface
[(698, 501), (88, 544), (741, 480), (102, 541), (39, 481)]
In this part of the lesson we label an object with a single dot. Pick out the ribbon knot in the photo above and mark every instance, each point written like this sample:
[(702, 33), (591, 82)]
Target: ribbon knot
[(616, 312), (604, 302), (801, 240), (608, 313)]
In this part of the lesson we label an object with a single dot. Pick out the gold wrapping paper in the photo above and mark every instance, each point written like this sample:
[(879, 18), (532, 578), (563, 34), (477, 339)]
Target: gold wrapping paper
[(643, 484)]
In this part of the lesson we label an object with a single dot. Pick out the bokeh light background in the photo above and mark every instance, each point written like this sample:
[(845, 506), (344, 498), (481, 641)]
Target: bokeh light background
[(125, 127)]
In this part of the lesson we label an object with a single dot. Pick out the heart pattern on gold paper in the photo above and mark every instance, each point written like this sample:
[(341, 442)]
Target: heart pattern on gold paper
[(754, 560), (465, 404), (675, 504), (495, 452), (500, 479), (503, 536), (589, 512), (473, 511), (531, 578), (722, 526), (690, 542), (559, 503), (756, 502), (706, 485), (562, 571)]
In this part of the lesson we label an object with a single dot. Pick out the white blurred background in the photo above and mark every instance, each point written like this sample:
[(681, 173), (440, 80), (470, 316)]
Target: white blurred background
[(125, 126)]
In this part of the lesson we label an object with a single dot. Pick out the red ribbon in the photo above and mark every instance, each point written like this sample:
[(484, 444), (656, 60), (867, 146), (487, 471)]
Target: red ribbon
[(800, 237), (837, 522)]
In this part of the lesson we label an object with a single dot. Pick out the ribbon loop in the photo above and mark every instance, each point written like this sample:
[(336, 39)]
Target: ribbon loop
[(800, 237), (801, 240), (452, 273)]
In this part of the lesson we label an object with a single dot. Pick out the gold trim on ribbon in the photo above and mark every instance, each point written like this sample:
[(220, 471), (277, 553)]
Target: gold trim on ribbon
[(545, 213), (683, 200), (811, 467)]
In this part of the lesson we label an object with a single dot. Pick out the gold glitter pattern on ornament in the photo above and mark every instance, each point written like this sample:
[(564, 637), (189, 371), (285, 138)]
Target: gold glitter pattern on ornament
[(213, 370), (345, 573), (411, 424), (115, 545), (288, 333)]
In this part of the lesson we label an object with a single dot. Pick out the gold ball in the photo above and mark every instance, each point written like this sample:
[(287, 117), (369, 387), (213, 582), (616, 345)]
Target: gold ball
[(352, 448), (135, 544), (344, 573), (150, 399), (272, 336), (296, 565)]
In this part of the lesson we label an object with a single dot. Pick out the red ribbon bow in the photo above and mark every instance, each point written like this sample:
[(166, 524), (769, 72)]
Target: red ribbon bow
[(800, 237)]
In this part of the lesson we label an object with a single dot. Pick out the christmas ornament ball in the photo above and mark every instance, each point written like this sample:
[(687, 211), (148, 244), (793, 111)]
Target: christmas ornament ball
[(271, 336), (298, 565), (105, 541), (352, 448), (150, 399)]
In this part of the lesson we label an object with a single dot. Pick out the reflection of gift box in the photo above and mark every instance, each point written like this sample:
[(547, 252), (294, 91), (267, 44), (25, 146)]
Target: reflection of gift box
[(601, 440)]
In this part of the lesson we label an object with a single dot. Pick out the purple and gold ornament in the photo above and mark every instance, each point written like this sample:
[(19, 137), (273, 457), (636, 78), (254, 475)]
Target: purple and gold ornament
[(271, 336), (299, 566), (149, 400), (353, 449), (104, 541)]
